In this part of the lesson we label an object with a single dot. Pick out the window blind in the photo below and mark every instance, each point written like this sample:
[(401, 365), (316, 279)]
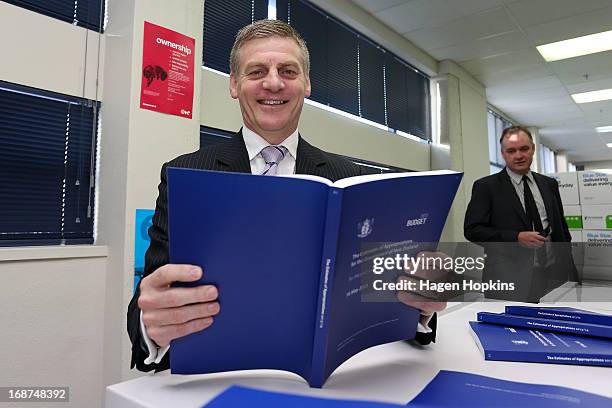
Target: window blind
[(47, 167)]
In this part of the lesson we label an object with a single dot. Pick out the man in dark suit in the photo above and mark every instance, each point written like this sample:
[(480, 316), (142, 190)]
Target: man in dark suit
[(269, 77), (517, 216)]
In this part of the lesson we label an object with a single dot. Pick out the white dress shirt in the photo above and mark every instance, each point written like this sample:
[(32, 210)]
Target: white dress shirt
[(519, 187), (254, 145)]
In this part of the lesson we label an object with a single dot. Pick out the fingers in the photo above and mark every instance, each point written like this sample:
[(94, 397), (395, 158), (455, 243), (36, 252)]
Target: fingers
[(427, 294), (165, 275), (179, 315), (174, 297), (162, 335), (432, 266), (427, 307)]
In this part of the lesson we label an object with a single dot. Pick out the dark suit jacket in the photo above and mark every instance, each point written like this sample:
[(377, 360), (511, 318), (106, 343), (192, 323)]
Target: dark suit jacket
[(230, 156), (495, 217)]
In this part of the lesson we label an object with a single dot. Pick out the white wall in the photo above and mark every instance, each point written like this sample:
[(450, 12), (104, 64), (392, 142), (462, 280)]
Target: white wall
[(52, 298), (596, 165), (464, 125), (135, 143), (52, 313), (47, 53), (561, 162)]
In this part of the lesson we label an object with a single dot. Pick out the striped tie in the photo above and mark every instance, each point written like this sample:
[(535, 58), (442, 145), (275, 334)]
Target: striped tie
[(273, 156)]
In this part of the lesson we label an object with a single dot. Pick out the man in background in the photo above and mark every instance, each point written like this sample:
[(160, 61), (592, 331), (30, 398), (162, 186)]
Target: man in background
[(269, 66), (516, 214)]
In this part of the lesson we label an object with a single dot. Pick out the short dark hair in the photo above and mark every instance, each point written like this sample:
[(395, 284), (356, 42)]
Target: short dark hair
[(267, 29), (513, 130)]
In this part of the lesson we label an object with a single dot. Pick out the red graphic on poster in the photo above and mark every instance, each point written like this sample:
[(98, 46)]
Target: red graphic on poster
[(167, 71)]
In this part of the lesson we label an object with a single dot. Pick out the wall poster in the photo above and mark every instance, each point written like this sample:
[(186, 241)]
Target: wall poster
[(167, 71)]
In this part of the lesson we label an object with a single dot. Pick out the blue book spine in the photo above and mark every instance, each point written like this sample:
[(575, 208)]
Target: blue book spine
[(561, 313), (550, 357), (561, 326), (328, 264)]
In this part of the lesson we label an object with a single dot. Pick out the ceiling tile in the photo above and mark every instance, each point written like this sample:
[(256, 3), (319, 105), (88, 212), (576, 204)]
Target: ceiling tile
[(526, 86), (377, 5), (418, 14), (486, 24), (571, 27), (483, 47), (529, 12), (504, 62)]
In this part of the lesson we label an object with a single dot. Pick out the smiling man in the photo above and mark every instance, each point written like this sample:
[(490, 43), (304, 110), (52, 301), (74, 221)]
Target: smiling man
[(269, 66), (515, 214)]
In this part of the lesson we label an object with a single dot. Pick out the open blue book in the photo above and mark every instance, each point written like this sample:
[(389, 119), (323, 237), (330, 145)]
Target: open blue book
[(569, 314), (530, 345), (284, 253), (552, 325), (462, 390), (450, 389)]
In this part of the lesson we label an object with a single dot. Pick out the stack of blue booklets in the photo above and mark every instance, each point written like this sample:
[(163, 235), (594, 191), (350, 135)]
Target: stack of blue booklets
[(448, 389), (285, 254), (561, 335)]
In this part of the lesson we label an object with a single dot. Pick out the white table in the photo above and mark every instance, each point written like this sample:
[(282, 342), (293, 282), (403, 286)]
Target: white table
[(394, 372)]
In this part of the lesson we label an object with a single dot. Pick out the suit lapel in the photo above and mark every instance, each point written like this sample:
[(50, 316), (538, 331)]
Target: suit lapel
[(309, 159), (233, 155), (509, 191)]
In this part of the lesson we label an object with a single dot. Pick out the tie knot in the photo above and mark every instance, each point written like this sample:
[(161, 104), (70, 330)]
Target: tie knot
[(525, 179), (273, 154)]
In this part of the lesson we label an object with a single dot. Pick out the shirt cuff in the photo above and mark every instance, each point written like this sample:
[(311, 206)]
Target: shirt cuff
[(155, 353), (423, 325)]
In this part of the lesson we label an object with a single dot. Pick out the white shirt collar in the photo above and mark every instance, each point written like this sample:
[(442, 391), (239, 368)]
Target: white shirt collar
[(517, 178), (255, 143)]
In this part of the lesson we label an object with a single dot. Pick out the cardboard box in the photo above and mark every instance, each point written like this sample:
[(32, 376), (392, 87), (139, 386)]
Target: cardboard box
[(595, 187), (596, 217), (577, 247), (573, 216), (568, 187), (597, 248), (598, 273)]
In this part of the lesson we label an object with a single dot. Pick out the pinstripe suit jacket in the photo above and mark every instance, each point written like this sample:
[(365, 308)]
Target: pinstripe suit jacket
[(229, 156)]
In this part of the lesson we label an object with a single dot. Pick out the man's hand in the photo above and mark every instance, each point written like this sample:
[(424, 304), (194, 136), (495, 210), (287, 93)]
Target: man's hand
[(169, 313), (427, 301), (531, 239)]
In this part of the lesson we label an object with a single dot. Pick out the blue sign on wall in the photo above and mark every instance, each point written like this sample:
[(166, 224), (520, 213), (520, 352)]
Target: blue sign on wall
[(142, 240)]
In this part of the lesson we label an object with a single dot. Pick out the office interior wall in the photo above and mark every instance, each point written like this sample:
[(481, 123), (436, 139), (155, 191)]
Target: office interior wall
[(597, 165), (52, 304), (464, 124), (47, 53), (52, 318), (561, 160), (135, 144)]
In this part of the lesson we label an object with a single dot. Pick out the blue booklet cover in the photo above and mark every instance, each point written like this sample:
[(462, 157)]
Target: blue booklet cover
[(529, 345), (560, 326), (238, 396), (283, 253), (450, 389), (463, 390), (561, 313)]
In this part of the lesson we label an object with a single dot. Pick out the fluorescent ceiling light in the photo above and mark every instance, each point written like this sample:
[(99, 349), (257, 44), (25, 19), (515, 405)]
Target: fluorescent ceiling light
[(604, 129), (593, 96), (609, 145), (575, 47)]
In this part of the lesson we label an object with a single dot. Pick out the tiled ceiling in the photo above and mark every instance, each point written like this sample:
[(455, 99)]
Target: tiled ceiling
[(495, 41)]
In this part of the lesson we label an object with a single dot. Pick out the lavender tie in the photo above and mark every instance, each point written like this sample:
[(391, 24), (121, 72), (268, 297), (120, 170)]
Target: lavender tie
[(273, 156)]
